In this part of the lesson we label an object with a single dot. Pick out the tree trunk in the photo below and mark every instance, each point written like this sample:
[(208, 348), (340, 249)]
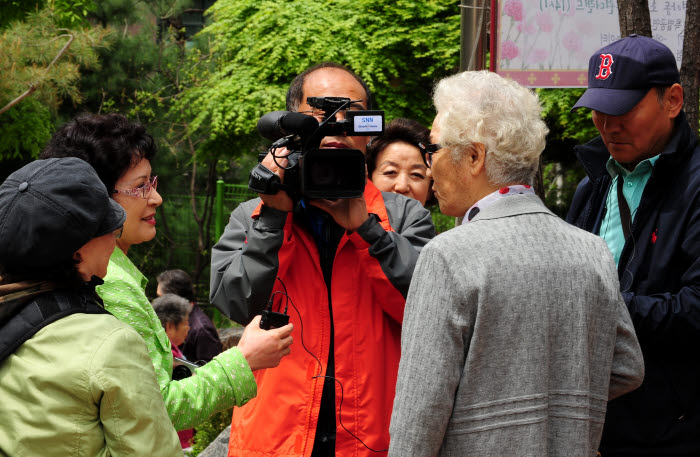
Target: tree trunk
[(634, 17), (690, 67)]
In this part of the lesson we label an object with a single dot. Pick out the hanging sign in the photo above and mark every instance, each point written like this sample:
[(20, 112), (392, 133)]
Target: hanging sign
[(547, 43)]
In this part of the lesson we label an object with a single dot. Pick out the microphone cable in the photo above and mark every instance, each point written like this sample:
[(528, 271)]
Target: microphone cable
[(320, 369)]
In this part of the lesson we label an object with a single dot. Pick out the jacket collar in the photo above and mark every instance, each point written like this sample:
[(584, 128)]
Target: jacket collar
[(122, 261), (594, 156), (514, 205)]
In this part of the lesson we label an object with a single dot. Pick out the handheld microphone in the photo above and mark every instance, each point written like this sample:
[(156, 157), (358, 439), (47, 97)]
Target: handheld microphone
[(278, 124)]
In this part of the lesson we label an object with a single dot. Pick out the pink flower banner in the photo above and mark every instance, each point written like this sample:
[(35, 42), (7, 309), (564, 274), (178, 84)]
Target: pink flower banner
[(547, 43)]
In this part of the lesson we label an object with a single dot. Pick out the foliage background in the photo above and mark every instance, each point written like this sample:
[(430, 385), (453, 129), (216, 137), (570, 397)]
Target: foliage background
[(29, 64), (201, 88), (200, 83)]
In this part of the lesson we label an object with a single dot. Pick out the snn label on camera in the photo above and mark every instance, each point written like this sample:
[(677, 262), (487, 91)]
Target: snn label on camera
[(368, 124)]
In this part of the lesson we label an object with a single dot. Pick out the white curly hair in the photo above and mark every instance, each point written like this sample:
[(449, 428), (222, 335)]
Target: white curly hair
[(483, 107)]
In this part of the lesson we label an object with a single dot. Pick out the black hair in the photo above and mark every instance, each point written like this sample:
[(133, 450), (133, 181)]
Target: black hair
[(171, 308), (661, 93), (176, 282), (109, 142), (406, 130), (295, 94)]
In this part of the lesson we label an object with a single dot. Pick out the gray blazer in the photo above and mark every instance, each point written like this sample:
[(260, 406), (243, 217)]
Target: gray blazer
[(515, 336)]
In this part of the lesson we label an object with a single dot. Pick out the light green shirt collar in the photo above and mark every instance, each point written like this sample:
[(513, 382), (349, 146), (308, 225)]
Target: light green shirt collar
[(123, 262)]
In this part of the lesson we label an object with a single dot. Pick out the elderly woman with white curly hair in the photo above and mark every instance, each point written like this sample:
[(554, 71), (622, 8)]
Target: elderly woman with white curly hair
[(515, 334)]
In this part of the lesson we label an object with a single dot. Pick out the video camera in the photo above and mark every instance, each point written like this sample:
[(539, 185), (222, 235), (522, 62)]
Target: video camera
[(314, 172)]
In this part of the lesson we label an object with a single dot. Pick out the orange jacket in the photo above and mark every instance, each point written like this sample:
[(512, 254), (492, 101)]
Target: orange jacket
[(367, 315)]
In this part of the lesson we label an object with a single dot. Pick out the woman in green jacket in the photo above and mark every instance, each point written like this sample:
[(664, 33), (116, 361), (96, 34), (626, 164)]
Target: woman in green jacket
[(121, 152), (75, 380)]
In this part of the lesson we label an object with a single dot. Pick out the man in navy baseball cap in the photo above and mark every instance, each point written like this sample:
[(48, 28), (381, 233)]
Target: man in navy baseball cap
[(621, 74), (642, 196)]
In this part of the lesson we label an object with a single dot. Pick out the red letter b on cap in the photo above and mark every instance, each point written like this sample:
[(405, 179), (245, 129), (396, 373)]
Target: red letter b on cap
[(604, 71)]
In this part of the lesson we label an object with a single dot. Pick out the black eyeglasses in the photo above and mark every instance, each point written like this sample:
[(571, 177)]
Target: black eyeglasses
[(427, 150)]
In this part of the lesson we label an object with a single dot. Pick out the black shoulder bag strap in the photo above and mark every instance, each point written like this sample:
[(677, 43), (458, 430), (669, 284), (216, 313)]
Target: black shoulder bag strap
[(42, 311), (625, 216)]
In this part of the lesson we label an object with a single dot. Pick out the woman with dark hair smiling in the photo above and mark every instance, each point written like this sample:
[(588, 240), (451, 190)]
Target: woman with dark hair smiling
[(395, 160), (121, 152)]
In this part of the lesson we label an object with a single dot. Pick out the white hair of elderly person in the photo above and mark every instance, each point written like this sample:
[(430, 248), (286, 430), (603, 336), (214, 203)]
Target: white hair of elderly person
[(515, 334)]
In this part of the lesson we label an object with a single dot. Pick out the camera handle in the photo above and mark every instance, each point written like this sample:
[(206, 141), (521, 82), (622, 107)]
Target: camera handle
[(264, 181)]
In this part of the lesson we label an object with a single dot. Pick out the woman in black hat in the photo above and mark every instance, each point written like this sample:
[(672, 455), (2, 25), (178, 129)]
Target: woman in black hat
[(75, 380), (121, 152)]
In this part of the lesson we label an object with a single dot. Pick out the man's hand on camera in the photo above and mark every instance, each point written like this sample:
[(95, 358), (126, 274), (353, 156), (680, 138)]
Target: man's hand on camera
[(265, 348), (349, 213), (281, 199)]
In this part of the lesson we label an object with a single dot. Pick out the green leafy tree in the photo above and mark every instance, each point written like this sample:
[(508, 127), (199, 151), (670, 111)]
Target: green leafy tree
[(399, 47), (141, 75), (217, 86), (41, 65), (561, 171), (68, 13), (574, 126), (71, 13)]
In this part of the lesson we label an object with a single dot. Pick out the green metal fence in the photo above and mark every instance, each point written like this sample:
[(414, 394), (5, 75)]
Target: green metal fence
[(228, 197)]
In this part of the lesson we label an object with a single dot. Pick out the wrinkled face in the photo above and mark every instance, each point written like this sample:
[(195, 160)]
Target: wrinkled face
[(637, 135), (334, 82), (140, 224), (451, 182), (400, 169), (94, 256), (178, 333)]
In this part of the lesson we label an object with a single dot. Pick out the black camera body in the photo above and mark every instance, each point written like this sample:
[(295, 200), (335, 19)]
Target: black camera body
[(315, 172)]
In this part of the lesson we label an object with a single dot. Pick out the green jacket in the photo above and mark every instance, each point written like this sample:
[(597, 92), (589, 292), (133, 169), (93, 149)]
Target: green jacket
[(83, 386), (224, 382)]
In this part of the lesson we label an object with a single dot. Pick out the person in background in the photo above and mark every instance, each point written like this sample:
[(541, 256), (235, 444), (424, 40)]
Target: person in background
[(202, 343), (642, 196), (515, 334), (75, 380), (174, 312), (395, 160), (121, 152)]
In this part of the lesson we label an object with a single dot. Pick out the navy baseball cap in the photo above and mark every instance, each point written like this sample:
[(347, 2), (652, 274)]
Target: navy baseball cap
[(621, 74)]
